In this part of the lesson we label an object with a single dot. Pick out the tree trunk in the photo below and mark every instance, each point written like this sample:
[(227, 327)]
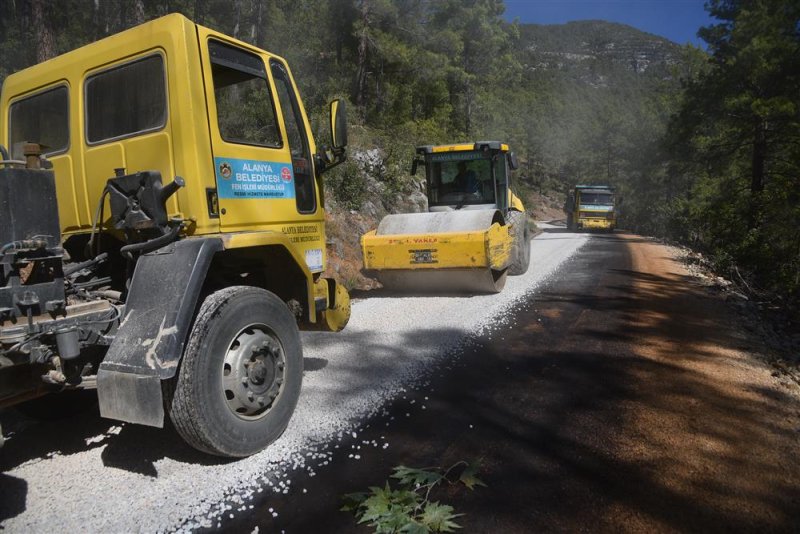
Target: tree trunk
[(257, 32), (138, 12), (45, 40), (97, 25), (199, 11), (363, 44), (468, 105), (759, 157), (758, 173), (339, 40), (237, 7)]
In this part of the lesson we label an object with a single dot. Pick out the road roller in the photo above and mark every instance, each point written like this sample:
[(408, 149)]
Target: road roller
[(474, 234)]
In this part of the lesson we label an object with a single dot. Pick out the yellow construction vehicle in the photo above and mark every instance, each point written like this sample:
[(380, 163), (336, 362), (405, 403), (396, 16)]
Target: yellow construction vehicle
[(162, 233), (591, 207), (474, 233)]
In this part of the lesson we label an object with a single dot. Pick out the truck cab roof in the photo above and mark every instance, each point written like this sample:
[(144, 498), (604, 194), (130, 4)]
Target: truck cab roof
[(495, 146)]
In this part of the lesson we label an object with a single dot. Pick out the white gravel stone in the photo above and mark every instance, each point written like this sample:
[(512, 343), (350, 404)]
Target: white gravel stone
[(389, 348)]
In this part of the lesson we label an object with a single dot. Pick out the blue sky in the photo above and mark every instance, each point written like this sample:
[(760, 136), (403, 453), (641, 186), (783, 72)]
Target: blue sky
[(677, 20)]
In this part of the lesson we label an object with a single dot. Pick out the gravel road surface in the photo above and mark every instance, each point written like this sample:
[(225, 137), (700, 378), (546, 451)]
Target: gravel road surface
[(622, 396), (90, 474)]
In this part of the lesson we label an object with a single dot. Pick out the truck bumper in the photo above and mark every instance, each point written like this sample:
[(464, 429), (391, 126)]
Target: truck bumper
[(596, 224)]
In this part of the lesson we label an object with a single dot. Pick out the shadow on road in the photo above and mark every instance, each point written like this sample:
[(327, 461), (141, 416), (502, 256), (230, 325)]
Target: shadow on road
[(133, 448), (383, 293), (597, 409), (137, 448), (33, 440), (13, 494), (614, 404), (314, 364)]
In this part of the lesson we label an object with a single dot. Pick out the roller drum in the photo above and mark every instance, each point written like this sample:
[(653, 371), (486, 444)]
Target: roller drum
[(481, 279), (438, 222)]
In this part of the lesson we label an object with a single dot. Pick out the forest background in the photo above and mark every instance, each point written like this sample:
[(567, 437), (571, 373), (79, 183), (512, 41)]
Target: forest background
[(702, 145)]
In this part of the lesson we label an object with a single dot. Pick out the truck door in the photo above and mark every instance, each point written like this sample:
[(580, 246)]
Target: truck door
[(252, 162), (299, 147)]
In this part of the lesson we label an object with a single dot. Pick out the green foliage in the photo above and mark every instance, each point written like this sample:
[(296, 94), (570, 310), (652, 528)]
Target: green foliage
[(469, 477), (425, 72), (347, 185), (704, 147), (736, 140), (408, 508)]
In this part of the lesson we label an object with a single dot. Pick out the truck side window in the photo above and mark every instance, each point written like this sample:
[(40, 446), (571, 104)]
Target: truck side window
[(298, 143), (245, 110), (126, 100), (41, 118)]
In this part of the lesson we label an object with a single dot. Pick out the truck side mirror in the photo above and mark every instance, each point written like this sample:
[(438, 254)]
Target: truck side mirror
[(513, 163), (414, 165), (338, 124)]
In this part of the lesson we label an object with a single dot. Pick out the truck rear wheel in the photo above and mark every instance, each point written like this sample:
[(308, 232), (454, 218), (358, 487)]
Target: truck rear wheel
[(521, 246), (240, 377)]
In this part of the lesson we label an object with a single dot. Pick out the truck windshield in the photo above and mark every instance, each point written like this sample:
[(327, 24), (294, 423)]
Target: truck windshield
[(460, 178), (245, 110), (597, 199)]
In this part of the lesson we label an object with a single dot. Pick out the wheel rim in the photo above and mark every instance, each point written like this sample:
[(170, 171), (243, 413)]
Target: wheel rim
[(253, 372)]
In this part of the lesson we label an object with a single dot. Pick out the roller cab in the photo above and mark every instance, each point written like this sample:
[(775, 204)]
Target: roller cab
[(473, 236)]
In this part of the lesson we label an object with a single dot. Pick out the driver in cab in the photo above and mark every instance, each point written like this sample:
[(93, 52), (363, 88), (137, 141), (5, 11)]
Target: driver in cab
[(465, 181)]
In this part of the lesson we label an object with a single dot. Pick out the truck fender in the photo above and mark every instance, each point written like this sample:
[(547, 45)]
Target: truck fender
[(149, 343)]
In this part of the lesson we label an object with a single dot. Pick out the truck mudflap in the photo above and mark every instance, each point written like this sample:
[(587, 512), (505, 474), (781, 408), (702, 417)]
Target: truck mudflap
[(148, 346), (332, 303)]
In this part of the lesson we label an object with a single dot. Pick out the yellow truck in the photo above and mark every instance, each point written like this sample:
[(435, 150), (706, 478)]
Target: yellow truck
[(162, 233), (474, 234), (591, 207)]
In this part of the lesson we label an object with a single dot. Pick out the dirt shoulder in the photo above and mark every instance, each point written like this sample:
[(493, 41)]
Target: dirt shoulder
[(715, 429)]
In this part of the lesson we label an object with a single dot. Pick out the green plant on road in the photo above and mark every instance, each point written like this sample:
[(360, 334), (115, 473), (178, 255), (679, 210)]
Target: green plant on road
[(408, 507)]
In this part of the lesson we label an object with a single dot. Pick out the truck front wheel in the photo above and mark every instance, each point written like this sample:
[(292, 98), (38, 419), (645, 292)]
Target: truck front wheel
[(240, 377)]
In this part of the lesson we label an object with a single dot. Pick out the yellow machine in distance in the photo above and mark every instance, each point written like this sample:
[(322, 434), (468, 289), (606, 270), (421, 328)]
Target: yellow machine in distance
[(591, 207), (178, 241), (474, 234)]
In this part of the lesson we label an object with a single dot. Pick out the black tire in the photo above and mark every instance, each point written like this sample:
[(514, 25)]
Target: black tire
[(521, 246), (238, 329)]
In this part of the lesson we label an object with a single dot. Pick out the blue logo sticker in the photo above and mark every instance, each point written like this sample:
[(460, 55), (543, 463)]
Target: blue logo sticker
[(244, 178)]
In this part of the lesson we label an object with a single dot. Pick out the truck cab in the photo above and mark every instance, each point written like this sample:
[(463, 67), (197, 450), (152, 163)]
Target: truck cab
[(591, 207), (181, 238)]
